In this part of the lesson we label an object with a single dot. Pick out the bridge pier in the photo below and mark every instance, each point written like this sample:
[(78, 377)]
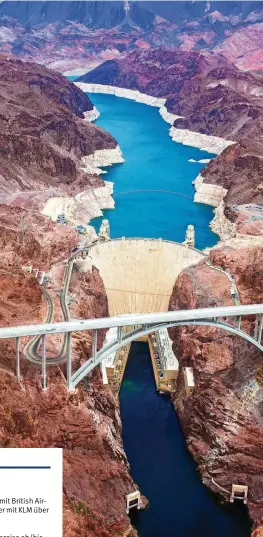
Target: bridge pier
[(18, 374), (69, 363), (44, 363), (260, 329), (94, 345)]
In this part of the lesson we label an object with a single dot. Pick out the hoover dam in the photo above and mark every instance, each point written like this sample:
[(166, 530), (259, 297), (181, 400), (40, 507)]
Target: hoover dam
[(139, 274)]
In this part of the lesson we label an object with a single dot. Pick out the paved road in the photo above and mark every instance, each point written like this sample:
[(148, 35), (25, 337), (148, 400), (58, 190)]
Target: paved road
[(131, 320), (31, 350)]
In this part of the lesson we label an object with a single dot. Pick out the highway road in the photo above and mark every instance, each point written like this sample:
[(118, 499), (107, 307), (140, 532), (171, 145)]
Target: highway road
[(31, 350), (132, 320)]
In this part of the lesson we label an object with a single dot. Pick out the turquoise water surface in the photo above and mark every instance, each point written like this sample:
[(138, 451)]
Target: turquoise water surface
[(153, 162)]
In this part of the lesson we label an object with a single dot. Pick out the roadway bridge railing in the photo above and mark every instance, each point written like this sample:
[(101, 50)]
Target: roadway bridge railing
[(228, 318)]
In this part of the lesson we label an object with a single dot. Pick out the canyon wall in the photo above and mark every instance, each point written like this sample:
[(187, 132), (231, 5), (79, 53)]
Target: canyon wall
[(223, 419), (86, 423), (50, 151), (45, 139)]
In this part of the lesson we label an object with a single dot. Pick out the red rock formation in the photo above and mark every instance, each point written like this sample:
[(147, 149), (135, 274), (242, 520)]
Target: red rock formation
[(85, 423), (43, 135), (194, 85), (239, 169), (223, 419), (74, 36)]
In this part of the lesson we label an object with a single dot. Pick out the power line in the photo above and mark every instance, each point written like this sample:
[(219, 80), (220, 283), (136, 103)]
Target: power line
[(162, 191)]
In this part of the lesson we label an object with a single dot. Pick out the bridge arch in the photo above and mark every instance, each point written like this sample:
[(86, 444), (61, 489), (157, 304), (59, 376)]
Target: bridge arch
[(145, 330)]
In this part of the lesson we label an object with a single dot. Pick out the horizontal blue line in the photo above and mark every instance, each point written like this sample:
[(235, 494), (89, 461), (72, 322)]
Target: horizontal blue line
[(25, 467)]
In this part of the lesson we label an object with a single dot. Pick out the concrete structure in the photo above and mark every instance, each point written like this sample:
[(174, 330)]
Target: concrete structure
[(113, 367), (104, 232), (190, 236), (239, 492), (189, 382), (139, 274), (165, 363), (133, 501)]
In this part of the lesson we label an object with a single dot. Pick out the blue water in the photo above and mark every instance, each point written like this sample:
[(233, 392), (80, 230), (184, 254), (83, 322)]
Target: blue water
[(153, 162), (180, 506)]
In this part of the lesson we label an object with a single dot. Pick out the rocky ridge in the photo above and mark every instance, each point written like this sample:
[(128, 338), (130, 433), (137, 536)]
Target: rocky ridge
[(74, 36), (223, 419), (45, 137)]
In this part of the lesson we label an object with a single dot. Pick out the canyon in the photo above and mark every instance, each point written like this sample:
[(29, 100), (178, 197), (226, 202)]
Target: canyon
[(50, 152), (190, 88), (222, 420), (44, 136)]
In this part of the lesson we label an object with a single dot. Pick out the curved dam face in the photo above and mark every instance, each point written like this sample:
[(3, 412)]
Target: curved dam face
[(139, 274)]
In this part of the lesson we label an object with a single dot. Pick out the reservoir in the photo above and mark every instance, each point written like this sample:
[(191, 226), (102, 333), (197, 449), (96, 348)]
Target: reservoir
[(180, 505), (153, 163)]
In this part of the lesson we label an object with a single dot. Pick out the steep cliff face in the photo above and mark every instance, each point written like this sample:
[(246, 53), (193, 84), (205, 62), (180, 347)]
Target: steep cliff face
[(223, 419), (239, 169), (85, 423), (43, 135)]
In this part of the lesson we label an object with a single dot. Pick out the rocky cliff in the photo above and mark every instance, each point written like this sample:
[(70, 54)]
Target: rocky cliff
[(44, 136), (223, 419), (85, 423)]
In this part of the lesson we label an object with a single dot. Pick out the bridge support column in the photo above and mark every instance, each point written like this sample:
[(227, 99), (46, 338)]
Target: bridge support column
[(119, 334), (94, 345), (69, 363), (18, 374), (260, 329), (256, 327), (44, 364)]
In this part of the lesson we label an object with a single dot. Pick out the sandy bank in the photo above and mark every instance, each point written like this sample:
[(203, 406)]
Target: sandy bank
[(102, 157), (134, 95), (83, 207), (212, 144), (92, 115)]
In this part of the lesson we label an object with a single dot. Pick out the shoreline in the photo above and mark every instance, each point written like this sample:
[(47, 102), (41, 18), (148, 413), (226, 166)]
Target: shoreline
[(88, 204), (206, 193)]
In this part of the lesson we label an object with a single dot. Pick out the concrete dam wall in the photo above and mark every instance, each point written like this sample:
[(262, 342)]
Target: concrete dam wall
[(139, 274)]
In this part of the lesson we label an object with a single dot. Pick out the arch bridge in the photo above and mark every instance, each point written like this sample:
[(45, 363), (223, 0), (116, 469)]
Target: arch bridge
[(228, 318)]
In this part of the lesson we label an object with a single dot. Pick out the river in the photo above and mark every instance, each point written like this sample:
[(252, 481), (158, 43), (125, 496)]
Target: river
[(180, 505)]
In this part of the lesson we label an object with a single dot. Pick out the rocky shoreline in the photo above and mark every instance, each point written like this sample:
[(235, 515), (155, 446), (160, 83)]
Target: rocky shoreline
[(205, 193), (92, 115)]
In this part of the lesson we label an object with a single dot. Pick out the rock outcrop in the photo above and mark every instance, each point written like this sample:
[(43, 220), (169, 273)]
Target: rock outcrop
[(44, 137), (86, 423), (223, 419)]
